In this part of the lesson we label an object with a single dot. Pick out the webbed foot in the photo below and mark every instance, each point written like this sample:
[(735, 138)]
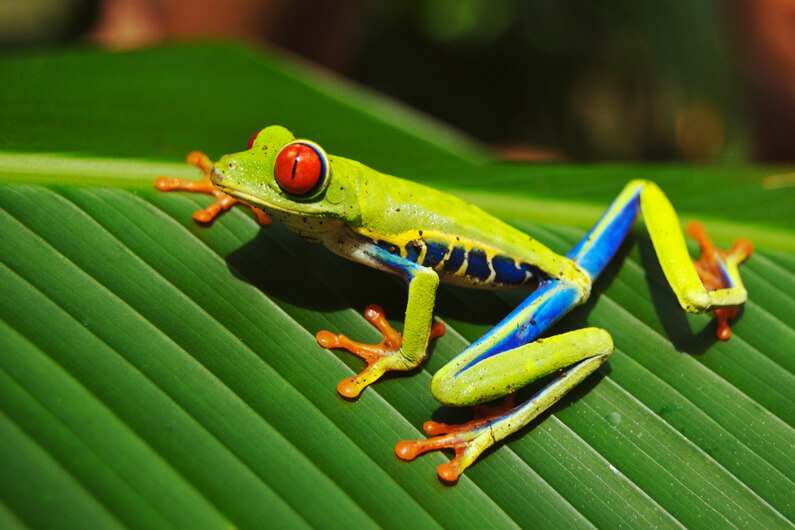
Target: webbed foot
[(716, 268), (222, 202), (468, 440), (380, 358)]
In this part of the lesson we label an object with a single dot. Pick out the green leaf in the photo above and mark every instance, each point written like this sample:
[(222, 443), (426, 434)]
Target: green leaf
[(158, 373)]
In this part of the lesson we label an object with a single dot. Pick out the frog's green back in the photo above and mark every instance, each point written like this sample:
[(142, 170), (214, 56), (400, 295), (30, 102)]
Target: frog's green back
[(413, 218)]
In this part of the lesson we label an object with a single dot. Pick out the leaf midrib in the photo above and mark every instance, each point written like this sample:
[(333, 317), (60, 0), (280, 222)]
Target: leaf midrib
[(138, 174)]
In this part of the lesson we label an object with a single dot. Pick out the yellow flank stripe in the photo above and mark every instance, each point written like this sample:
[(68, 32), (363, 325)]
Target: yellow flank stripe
[(492, 273), (423, 251), (401, 240), (439, 266), (464, 265)]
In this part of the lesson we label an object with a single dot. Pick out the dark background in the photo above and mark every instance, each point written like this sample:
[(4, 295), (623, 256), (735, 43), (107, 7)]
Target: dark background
[(697, 80)]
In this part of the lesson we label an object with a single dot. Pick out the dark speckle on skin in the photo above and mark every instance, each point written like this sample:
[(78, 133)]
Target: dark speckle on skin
[(397, 209), (420, 233)]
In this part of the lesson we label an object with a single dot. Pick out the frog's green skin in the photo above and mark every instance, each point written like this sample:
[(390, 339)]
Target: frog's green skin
[(361, 201), (426, 236)]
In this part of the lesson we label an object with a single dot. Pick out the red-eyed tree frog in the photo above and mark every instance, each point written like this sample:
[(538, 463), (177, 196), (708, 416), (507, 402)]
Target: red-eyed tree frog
[(426, 236)]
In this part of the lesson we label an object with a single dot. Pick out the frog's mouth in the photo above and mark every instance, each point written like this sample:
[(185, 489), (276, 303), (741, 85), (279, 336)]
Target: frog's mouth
[(218, 181), (217, 178)]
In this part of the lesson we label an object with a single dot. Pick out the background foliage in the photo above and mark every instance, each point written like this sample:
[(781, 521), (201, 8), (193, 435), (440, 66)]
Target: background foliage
[(592, 81), (158, 373)]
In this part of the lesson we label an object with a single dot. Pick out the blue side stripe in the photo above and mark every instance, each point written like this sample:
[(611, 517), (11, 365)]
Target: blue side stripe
[(506, 272), (434, 254), (413, 249), (478, 265), (400, 265), (455, 260)]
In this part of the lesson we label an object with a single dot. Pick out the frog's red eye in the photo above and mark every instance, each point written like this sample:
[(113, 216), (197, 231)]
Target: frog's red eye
[(301, 168), (251, 140)]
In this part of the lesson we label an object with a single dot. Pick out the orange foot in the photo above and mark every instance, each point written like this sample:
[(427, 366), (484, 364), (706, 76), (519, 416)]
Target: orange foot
[(711, 267), (468, 440), (222, 201), (380, 357)]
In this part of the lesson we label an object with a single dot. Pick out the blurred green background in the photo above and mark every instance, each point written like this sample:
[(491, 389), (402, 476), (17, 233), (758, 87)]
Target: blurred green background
[(701, 80)]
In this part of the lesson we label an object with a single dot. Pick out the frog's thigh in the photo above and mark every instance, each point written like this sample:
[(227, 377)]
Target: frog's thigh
[(508, 371)]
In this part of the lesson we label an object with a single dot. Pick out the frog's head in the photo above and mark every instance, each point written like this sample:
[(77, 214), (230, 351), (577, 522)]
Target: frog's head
[(287, 178)]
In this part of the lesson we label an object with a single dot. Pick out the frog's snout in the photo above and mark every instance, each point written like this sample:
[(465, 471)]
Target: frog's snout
[(216, 176)]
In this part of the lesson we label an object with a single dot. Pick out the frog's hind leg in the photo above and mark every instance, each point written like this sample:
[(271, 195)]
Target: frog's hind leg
[(712, 283), (506, 358), (578, 353), (511, 355), (222, 202), (719, 269), (495, 366)]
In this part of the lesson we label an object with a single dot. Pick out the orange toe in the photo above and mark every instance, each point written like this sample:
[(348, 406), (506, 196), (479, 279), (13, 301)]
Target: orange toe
[(222, 202), (380, 357), (711, 268)]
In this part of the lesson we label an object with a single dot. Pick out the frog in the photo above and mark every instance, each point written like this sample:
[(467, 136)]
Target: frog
[(427, 236)]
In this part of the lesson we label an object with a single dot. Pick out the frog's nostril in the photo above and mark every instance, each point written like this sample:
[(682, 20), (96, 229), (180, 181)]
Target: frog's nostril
[(232, 164)]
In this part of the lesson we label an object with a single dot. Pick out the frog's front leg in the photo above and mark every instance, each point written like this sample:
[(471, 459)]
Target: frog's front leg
[(222, 201), (394, 352)]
